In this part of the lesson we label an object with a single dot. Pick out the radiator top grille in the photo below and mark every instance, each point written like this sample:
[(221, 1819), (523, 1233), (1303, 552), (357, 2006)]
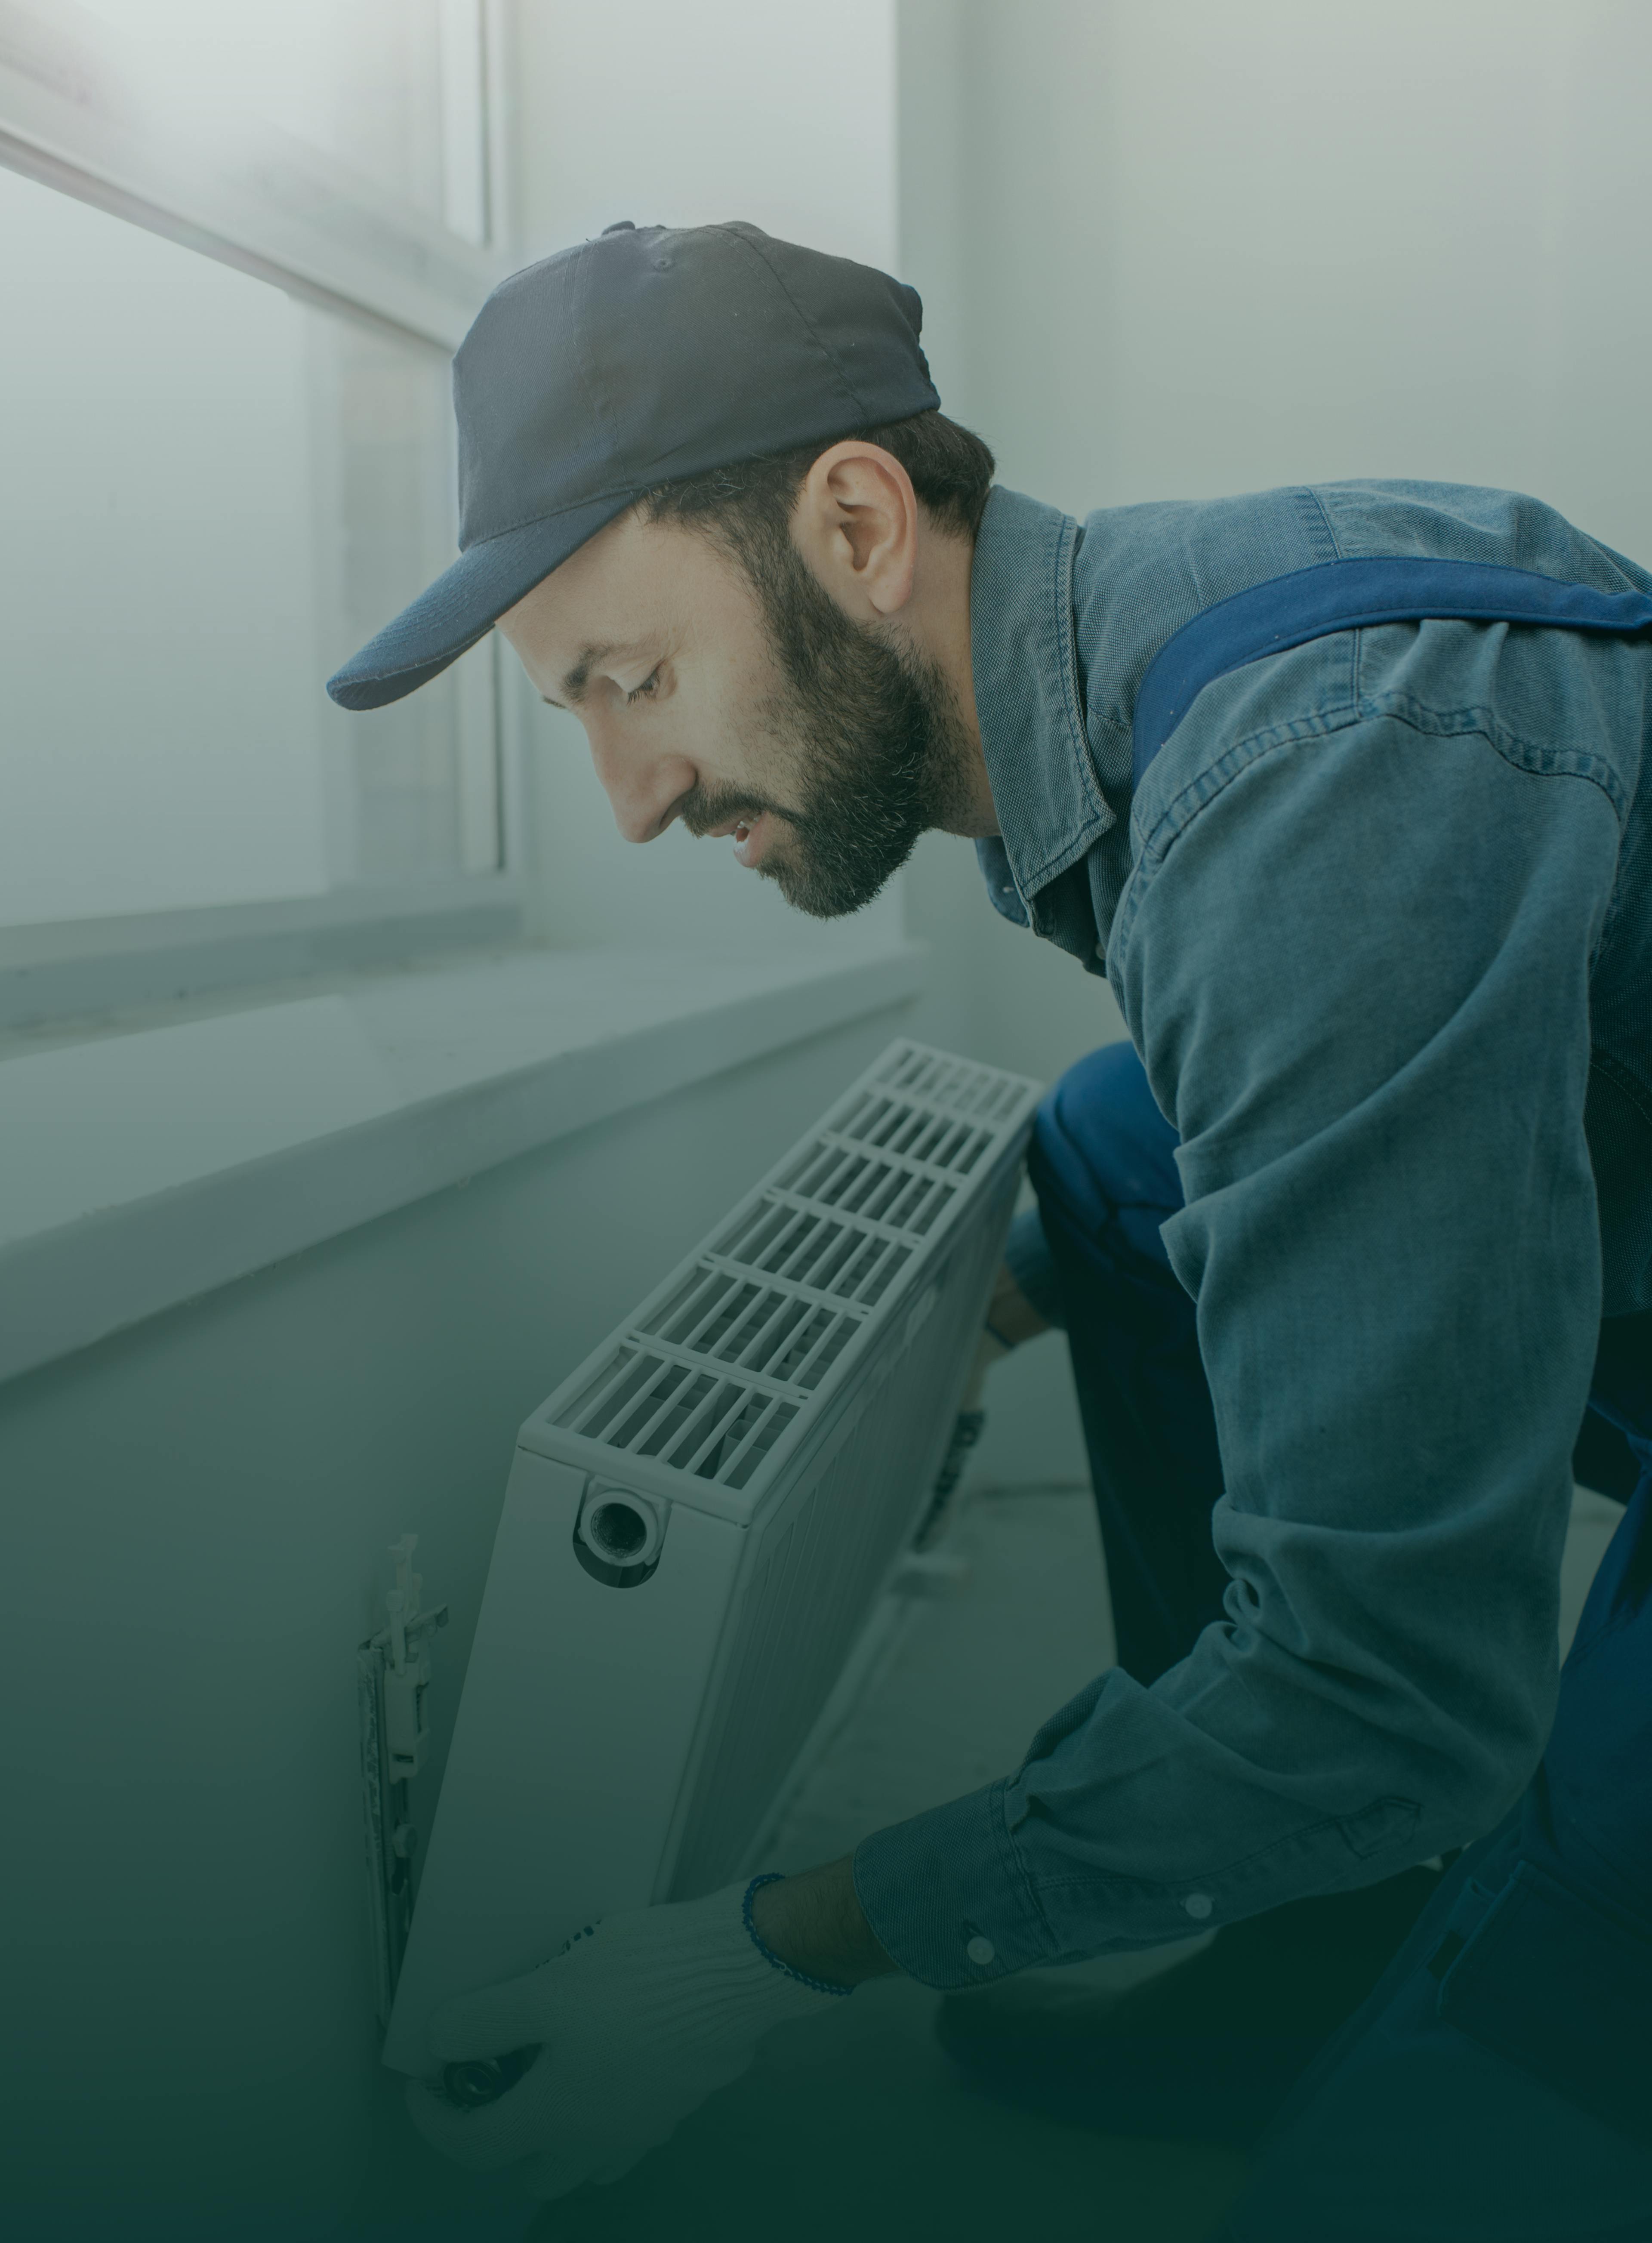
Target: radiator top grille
[(717, 1367)]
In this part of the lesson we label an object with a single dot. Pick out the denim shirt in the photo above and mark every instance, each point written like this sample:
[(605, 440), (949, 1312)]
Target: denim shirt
[(1380, 921)]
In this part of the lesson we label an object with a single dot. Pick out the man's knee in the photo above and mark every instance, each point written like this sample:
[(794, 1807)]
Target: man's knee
[(1102, 1152)]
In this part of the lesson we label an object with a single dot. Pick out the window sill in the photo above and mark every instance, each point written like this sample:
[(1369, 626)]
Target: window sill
[(82, 971), (153, 1162)]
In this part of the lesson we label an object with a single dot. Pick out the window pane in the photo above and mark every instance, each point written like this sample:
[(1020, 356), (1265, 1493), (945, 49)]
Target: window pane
[(211, 495), (392, 88)]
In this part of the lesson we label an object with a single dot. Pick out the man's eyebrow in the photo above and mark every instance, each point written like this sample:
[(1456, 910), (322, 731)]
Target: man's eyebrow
[(576, 680)]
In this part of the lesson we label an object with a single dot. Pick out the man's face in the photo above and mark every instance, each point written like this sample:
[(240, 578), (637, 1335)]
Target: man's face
[(823, 748)]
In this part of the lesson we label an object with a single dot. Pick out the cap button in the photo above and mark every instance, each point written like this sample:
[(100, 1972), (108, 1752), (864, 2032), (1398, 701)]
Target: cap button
[(622, 226)]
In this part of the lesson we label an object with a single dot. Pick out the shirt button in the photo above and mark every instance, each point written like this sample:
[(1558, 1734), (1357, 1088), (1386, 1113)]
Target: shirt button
[(1198, 1905), (982, 1951)]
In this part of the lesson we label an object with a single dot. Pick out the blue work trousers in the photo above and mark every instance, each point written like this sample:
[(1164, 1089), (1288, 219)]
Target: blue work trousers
[(1497, 2085)]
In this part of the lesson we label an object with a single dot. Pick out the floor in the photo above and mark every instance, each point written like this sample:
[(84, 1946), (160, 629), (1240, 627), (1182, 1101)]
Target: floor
[(856, 2125)]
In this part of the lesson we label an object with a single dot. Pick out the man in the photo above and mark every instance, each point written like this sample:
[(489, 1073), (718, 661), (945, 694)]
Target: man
[(1340, 788)]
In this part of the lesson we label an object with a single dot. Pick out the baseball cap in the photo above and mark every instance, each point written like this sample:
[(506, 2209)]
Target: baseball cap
[(645, 356)]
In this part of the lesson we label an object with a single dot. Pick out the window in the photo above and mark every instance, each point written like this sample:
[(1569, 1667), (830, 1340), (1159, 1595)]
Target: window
[(392, 90), (235, 255)]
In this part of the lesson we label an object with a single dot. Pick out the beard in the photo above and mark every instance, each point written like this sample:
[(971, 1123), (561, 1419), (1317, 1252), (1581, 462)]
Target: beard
[(873, 730)]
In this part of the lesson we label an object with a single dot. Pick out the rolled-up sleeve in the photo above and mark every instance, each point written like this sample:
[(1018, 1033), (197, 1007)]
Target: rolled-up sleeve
[(1354, 954)]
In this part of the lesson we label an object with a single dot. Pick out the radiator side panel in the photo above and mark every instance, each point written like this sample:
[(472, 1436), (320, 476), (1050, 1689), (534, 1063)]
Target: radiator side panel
[(579, 1711)]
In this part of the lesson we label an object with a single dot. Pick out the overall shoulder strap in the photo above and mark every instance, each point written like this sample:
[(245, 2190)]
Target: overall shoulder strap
[(1339, 595)]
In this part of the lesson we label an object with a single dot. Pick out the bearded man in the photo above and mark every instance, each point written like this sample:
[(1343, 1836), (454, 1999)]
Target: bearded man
[(1342, 789)]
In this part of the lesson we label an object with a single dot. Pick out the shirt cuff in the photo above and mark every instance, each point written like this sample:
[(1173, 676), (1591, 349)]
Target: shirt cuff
[(947, 1897)]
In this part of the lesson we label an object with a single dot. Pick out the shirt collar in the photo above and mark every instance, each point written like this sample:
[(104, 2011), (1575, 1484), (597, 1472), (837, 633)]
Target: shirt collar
[(1028, 700)]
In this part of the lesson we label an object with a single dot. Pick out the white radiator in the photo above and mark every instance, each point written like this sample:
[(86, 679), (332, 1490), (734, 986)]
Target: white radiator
[(699, 1521)]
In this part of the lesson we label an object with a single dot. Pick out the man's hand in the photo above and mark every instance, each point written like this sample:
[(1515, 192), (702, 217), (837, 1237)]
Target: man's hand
[(1011, 1318), (641, 2018)]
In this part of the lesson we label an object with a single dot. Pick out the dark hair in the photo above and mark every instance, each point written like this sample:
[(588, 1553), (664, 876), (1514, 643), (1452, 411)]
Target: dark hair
[(749, 503)]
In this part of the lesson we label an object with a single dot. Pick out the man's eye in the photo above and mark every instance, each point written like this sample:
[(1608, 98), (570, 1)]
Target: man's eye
[(645, 691)]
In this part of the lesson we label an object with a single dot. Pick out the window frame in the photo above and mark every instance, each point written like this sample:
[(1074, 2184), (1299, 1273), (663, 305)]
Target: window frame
[(253, 197)]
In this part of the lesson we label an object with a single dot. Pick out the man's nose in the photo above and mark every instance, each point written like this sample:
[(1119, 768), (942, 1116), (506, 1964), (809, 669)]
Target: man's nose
[(644, 788)]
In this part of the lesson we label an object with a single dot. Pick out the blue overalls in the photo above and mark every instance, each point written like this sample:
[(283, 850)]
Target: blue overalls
[(1498, 2081)]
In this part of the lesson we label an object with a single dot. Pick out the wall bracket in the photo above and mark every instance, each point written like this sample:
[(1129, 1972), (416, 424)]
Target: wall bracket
[(392, 1676)]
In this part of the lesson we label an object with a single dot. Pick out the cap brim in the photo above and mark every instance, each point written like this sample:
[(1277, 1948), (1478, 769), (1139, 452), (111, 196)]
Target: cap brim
[(465, 603)]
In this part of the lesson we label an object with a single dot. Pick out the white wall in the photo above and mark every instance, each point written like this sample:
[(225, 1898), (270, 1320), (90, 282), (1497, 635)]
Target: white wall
[(1222, 248), (681, 116)]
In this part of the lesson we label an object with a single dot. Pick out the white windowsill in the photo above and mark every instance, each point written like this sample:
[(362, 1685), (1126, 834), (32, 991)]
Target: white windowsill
[(145, 1165)]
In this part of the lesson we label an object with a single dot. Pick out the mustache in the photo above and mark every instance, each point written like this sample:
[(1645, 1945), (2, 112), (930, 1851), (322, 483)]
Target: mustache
[(702, 808)]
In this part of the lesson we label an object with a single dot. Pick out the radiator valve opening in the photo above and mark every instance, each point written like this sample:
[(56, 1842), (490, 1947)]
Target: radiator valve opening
[(618, 1537)]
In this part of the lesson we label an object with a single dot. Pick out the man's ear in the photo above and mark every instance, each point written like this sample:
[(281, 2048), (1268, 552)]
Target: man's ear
[(856, 524)]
